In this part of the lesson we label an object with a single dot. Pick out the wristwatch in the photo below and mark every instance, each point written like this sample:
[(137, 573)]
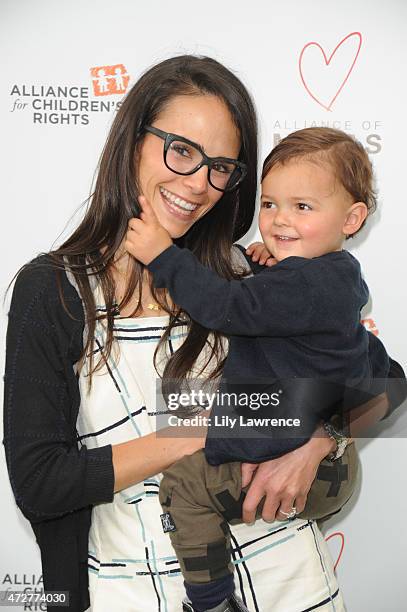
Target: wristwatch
[(340, 439)]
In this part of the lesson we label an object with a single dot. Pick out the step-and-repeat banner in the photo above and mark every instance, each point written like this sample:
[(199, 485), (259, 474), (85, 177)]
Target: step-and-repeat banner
[(341, 64)]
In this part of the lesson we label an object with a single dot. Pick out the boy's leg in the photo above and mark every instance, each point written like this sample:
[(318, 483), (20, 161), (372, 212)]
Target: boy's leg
[(333, 486), (198, 501)]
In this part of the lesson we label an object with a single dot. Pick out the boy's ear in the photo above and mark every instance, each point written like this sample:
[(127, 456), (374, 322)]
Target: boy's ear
[(355, 216)]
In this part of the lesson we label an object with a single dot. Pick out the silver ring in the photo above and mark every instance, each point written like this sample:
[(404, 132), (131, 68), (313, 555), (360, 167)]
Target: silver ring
[(290, 514)]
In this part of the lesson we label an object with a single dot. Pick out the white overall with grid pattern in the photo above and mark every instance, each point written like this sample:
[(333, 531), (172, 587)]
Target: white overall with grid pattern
[(280, 567)]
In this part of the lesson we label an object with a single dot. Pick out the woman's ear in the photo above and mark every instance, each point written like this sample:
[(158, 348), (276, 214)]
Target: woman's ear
[(355, 217)]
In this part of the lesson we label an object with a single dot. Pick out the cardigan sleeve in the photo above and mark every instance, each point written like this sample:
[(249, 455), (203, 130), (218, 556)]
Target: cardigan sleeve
[(50, 476)]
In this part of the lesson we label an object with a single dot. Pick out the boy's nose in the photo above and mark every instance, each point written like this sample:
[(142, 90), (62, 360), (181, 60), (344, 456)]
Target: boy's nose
[(282, 217)]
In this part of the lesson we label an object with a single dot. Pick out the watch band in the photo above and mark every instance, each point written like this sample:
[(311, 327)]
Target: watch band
[(340, 439)]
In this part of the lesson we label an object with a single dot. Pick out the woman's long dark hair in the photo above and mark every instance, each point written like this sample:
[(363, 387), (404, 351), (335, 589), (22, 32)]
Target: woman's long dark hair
[(92, 246)]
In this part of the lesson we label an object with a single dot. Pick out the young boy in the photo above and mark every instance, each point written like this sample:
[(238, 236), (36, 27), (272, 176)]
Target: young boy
[(294, 331)]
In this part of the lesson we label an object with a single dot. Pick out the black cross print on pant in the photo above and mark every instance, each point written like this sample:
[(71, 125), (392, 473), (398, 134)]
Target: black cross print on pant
[(232, 507), (215, 562), (336, 474)]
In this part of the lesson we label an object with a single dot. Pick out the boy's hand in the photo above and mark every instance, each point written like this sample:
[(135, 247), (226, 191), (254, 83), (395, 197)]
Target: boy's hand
[(260, 253), (146, 238)]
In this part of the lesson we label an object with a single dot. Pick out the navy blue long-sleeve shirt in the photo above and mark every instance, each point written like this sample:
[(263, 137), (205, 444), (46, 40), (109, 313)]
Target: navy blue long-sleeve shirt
[(294, 327)]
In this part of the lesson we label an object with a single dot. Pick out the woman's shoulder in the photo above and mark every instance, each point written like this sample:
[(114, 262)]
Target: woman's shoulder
[(43, 274), (42, 282)]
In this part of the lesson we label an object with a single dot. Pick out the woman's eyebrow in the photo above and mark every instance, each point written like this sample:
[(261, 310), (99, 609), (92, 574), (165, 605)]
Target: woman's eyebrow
[(182, 137), (198, 144)]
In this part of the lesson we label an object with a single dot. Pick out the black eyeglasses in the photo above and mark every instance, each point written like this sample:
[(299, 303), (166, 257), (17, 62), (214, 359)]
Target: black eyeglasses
[(183, 156)]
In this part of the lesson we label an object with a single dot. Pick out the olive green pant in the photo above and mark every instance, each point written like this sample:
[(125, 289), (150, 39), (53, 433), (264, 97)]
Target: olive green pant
[(200, 500)]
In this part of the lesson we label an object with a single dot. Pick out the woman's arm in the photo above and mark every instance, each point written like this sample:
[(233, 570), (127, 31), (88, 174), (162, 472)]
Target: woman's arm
[(289, 478), (367, 415), (49, 475), (284, 480), (135, 460)]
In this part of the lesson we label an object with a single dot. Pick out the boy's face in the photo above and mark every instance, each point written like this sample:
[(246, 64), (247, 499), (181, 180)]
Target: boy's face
[(304, 210)]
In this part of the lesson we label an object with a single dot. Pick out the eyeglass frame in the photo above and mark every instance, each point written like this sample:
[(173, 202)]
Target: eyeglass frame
[(169, 137)]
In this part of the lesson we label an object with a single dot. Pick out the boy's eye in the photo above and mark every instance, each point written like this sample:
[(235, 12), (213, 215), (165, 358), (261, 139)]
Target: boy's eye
[(265, 204), (303, 206)]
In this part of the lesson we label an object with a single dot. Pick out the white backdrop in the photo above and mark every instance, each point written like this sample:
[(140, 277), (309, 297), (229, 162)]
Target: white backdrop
[(352, 77)]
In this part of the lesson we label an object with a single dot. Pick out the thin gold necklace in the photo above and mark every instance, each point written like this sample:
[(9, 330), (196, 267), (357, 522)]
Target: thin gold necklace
[(151, 305)]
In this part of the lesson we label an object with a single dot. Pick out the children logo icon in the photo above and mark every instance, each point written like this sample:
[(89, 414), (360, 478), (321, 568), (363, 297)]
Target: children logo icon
[(108, 80)]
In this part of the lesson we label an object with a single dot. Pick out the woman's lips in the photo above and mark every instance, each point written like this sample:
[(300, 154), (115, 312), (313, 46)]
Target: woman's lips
[(178, 211)]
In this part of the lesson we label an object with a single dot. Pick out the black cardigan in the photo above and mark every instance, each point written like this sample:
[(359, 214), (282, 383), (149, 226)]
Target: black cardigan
[(55, 482)]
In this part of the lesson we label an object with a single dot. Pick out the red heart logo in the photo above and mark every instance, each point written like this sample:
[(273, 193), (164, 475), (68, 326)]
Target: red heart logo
[(340, 535), (327, 65)]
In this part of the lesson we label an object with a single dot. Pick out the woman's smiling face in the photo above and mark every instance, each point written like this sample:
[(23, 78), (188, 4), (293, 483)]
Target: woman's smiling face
[(179, 201)]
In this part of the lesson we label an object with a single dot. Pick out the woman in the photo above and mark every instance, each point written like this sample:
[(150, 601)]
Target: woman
[(87, 334)]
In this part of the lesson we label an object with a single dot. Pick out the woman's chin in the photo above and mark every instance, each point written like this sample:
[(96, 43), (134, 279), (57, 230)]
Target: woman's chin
[(176, 221), (176, 228)]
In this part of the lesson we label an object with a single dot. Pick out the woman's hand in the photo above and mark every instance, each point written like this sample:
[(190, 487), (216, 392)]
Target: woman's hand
[(284, 481), (146, 238), (259, 253)]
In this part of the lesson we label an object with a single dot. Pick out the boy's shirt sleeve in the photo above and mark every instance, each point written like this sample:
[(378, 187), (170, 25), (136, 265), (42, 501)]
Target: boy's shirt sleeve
[(276, 302)]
